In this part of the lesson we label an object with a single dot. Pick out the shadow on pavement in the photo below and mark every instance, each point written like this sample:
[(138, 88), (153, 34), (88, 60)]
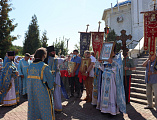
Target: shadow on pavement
[(71, 110), (154, 113), (5, 109), (133, 114), (77, 109), (96, 114)]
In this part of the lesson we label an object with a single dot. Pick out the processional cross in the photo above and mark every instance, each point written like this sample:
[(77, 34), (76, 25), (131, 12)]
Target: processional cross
[(124, 38)]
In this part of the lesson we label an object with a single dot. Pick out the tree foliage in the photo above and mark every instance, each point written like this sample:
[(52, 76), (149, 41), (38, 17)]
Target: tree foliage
[(18, 49), (6, 27), (112, 37), (44, 39), (60, 47), (32, 39)]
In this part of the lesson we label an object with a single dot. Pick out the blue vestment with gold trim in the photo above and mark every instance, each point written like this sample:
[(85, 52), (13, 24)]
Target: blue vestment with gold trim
[(40, 86), (22, 69), (8, 72), (59, 87), (95, 86), (118, 78)]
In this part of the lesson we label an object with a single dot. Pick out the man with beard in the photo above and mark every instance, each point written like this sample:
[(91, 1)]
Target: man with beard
[(54, 63), (9, 94)]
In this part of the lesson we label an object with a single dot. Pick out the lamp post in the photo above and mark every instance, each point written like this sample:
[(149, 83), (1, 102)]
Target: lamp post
[(106, 29)]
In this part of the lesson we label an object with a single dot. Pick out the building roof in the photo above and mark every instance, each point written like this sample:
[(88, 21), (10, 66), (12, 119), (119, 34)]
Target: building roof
[(123, 3)]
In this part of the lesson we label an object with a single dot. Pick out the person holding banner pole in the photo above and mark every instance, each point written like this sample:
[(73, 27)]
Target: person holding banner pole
[(128, 65)]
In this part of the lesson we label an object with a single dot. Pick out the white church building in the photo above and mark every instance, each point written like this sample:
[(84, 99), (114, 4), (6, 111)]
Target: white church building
[(126, 15)]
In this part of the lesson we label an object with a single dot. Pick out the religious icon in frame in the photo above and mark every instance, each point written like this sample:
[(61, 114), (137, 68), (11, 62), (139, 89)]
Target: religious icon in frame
[(106, 51), (64, 66), (85, 63), (71, 66)]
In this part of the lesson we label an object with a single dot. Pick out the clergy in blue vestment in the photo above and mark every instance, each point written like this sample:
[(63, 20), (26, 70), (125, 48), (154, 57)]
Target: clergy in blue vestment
[(54, 63), (40, 86), (112, 88), (22, 69), (9, 91), (97, 77)]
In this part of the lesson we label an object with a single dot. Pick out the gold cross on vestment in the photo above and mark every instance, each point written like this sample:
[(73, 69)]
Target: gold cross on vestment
[(33, 71)]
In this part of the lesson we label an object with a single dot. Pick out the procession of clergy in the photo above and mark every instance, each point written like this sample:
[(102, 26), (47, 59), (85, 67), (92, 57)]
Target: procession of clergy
[(39, 80)]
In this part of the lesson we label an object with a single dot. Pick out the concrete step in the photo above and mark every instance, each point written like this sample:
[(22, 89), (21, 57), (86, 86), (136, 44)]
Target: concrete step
[(140, 96), (140, 81), (138, 90), (143, 58), (139, 65), (141, 68), (140, 101), (138, 76), (138, 85), (138, 72), (140, 61)]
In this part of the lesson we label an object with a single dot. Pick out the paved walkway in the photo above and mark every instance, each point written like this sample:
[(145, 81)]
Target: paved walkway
[(74, 109)]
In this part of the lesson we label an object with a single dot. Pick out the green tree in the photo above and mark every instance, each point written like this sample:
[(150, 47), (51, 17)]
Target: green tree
[(77, 46), (112, 37), (32, 39), (60, 47), (6, 27), (18, 49), (44, 39)]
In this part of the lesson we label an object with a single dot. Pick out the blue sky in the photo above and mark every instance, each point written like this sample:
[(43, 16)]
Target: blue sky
[(59, 17)]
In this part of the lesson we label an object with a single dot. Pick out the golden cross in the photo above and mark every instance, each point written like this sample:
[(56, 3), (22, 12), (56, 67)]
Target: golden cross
[(87, 27), (99, 26), (33, 71)]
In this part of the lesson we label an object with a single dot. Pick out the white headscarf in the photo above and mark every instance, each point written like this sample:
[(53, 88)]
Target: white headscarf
[(16, 57)]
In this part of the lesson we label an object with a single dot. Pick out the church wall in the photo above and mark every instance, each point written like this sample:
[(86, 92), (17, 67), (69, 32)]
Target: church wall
[(137, 19), (111, 19), (138, 6), (132, 18)]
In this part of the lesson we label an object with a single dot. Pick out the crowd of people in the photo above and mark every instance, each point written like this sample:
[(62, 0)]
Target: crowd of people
[(37, 78)]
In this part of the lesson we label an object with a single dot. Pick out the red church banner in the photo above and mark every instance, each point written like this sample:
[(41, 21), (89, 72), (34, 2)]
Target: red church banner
[(97, 41), (150, 31)]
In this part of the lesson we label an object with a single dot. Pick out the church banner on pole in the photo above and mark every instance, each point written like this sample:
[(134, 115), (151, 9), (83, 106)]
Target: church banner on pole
[(150, 31), (84, 42), (97, 41)]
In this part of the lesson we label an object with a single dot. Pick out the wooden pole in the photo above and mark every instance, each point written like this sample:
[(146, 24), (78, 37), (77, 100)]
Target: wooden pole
[(125, 74)]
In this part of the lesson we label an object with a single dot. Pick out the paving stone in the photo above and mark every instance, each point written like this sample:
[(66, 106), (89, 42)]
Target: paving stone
[(75, 109)]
